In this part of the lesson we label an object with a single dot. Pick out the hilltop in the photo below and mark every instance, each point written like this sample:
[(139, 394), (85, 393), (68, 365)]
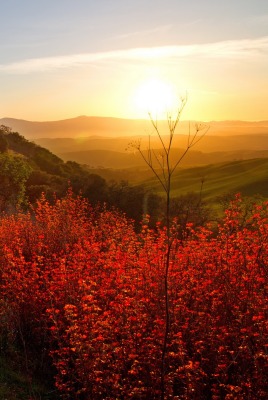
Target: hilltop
[(84, 126)]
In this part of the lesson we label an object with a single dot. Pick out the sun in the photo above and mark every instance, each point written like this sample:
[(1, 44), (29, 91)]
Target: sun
[(155, 96)]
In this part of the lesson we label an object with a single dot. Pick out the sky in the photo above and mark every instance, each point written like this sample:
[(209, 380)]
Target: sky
[(124, 58)]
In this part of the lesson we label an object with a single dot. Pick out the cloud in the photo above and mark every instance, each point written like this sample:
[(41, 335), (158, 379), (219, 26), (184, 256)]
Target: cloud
[(232, 49)]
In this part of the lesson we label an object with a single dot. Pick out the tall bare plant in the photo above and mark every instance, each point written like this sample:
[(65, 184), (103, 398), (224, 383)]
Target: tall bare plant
[(162, 167)]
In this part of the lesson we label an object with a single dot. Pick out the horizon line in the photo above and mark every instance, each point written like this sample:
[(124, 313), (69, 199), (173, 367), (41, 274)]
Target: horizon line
[(133, 119)]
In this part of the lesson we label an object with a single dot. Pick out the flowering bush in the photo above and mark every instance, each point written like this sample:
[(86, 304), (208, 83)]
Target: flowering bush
[(81, 288)]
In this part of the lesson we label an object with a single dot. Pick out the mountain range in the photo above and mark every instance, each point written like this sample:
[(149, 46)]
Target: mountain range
[(106, 142), (84, 126)]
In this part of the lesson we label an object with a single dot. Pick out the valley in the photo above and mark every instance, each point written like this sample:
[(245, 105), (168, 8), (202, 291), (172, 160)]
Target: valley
[(231, 157)]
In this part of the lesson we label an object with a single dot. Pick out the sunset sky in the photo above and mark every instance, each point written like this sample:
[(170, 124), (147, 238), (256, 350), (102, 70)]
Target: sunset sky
[(64, 58)]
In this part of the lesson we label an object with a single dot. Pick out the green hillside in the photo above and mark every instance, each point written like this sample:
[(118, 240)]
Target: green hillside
[(249, 177), (28, 170)]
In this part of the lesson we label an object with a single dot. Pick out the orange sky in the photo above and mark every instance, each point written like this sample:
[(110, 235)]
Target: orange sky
[(64, 59)]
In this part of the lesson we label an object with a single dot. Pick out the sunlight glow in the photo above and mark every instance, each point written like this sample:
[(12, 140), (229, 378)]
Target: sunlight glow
[(155, 96)]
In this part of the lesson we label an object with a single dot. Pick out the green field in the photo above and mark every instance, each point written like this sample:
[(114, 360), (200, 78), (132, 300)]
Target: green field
[(248, 177)]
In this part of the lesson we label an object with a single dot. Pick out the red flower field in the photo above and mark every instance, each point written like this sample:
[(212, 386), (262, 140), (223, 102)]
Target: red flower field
[(82, 294)]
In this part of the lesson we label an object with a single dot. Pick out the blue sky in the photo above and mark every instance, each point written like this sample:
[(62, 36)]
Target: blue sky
[(65, 58)]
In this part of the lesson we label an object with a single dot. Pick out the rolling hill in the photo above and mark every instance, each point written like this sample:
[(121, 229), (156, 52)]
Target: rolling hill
[(85, 126), (209, 143), (248, 177), (121, 160), (81, 126), (102, 142), (231, 163)]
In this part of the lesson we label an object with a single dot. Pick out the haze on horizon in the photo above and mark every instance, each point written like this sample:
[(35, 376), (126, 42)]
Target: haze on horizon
[(101, 58)]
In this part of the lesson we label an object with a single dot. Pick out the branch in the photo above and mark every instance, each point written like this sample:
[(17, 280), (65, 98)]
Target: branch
[(192, 141)]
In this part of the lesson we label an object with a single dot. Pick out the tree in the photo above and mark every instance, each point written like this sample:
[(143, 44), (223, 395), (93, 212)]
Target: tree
[(3, 143), (4, 131), (14, 172), (160, 164)]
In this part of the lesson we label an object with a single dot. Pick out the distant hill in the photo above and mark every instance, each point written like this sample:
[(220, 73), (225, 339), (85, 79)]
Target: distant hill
[(122, 160), (102, 142), (76, 127), (104, 159), (117, 152), (84, 126), (209, 143)]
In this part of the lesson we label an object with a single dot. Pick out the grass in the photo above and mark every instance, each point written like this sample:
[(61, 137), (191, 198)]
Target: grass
[(248, 177)]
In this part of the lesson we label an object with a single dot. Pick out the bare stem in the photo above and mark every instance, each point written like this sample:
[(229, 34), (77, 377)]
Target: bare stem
[(163, 171)]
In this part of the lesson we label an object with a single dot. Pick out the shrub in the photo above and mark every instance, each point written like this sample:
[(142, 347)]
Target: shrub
[(82, 290)]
